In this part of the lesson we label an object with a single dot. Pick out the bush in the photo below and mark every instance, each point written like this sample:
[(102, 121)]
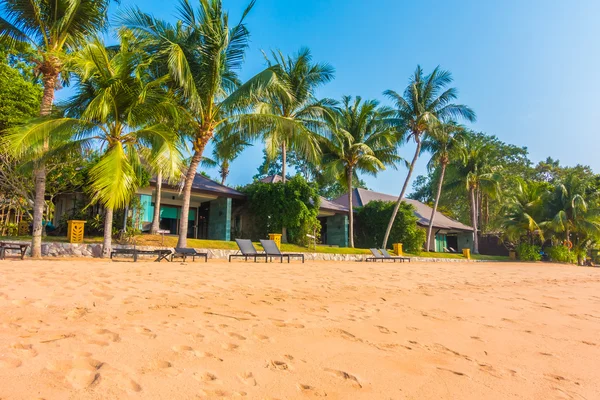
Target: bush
[(372, 221), (529, 252), (561, 254), (294, 205)]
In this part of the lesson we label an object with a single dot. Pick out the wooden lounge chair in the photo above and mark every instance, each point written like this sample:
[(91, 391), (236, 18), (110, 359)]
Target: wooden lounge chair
[(273, 251), (187, 252), (162, 254), (248, 251), (388, 256), (22, 248)]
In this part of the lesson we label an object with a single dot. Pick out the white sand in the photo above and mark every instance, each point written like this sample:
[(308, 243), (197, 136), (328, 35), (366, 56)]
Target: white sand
[(83, 329)]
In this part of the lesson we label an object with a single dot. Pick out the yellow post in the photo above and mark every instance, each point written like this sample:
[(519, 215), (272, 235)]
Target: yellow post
[(23, 228), (276, 237), (397, 248), (75, 231), (467, 253)]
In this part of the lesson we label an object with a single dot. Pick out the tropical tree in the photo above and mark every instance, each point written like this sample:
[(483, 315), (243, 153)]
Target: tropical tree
[(525, 210), (118, 108), (201, 54), (426, 102), (477, 175), (295, 116), (54, 28), (361, 140), (226, 148), (443, 143)]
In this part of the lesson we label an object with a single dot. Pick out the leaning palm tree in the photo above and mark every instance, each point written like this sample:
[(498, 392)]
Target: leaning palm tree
[(425, 103), (119, 109), (295, 116), (201, 54), (442, 142), (53, 28), (226, 148), (361, 140)]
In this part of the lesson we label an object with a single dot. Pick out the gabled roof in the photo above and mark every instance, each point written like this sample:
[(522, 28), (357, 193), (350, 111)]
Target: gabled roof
[(362, 197), (271, 179), (202, 184)]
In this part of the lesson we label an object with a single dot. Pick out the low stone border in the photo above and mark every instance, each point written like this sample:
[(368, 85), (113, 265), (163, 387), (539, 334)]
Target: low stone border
[(57, 249)]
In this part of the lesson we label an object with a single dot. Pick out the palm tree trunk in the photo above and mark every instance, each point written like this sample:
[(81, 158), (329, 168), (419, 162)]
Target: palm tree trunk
[(401, 197), (224, 171), (156, 217), (350, 207), (474, 220), (107, 242), (39, 171), (187, 194), (283, 161), (283, 179), (435, 206)]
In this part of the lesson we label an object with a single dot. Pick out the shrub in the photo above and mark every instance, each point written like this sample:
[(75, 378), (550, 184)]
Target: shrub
[(529, 252), (561, 253), (294, 205), (372, 221)]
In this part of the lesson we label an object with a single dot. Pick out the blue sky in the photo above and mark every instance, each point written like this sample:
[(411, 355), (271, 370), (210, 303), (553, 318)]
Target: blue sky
[(529, 68)]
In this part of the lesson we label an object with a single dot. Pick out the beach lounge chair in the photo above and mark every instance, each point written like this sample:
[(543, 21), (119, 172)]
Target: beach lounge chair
[(388, 256), (182, 252), (273, 251), (248, 251), (376, 255), (162, 254)]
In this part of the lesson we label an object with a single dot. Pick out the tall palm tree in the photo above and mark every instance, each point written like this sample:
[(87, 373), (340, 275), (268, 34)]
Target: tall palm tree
[(361, 140), (295, 115), (442, 142), (201, 54), (525, 209), (226, 148), (475, 173), (54, 28), (121, 110), (426, 102)]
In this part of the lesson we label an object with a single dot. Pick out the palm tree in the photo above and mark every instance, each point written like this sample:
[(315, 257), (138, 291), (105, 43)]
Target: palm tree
[(294, 114), (426, 103), (54, 28), (201, 54), (118, 108), (525, 209), (442, 142), (226, 148), (362, 140), (474, 172)]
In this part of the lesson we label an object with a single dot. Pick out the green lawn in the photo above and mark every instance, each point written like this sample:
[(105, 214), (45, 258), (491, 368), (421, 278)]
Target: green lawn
[(171, 241)]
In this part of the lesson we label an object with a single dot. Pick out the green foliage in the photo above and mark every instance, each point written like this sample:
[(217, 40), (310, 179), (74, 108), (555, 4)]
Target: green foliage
[(19, 99), (529, 252), (372, 220), (294, 205), (561, 253)]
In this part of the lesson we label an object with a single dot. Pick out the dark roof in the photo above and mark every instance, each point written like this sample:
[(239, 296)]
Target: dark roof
[(202, 184), (361, 197), (331, 206), (271, 179)]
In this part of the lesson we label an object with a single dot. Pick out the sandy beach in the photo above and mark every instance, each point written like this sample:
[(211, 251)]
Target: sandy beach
[(88, 329)]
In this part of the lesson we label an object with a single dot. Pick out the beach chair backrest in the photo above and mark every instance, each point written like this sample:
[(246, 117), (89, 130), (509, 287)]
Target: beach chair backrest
[(376, 253), (270, 247), (246, 247), (385, 253), (184, 250)]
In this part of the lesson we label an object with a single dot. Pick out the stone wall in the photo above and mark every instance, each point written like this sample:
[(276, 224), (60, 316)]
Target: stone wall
[(52, 249)]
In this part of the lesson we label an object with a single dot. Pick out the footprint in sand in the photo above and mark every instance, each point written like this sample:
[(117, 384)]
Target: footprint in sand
[(10, 362), (205, 354), (235, 335), (206, 377), (145, 331), (310, 390), (229, 346), (181, 349), (112, 336), (25, 349), (345, 376), (247, 378), (451, 371), (263, 338), (277, 365)]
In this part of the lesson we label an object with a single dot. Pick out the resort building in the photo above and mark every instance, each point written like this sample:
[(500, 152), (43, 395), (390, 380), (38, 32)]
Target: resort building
[(449, 234), (218, 212)]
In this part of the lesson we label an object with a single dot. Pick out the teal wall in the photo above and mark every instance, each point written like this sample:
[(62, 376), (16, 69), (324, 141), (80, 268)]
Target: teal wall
[(465, 241), (219, 219), (337, 230), (147, 208), (440, 243)]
